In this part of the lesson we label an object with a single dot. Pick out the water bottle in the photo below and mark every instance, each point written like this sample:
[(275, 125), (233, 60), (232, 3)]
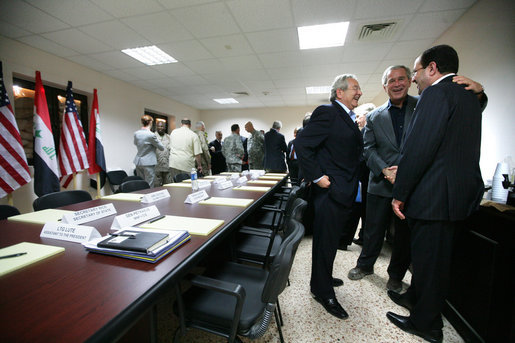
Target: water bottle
[(194, 180)]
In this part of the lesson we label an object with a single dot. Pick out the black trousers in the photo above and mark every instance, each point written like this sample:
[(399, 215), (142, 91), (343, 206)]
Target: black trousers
[(431, 249), (329, 219), (379, 217)]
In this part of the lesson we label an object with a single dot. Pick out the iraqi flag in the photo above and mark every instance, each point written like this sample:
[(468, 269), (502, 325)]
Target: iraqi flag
[(96, 157), (46, 173)]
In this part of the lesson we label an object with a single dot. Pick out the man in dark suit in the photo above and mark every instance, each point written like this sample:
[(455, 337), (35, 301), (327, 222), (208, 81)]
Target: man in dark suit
[(329, 150), (217, 158), (275, 149), (291, 160), (438, 183)]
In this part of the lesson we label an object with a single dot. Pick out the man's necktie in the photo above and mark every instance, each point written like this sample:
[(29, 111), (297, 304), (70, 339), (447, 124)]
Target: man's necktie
[(292, 153)]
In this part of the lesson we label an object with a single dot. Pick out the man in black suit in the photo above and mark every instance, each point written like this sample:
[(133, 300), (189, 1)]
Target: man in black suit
[(329, 150), (291, 160), (217, 158), (438, 183), (275, 149)]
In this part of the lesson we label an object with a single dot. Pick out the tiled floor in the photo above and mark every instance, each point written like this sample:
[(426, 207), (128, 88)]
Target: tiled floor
[(306, 321)]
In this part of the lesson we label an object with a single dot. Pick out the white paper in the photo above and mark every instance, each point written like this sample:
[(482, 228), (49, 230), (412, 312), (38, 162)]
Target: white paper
[(89, 214)]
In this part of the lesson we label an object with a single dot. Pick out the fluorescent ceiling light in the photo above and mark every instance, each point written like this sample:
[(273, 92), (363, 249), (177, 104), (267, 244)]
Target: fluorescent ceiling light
[(322, 36), (226, 101), (318, 90), (150, 55)]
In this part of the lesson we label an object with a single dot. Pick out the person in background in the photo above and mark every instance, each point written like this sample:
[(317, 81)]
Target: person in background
[(438, 183), (233, 150), (217, 158), (275, 149), (245, 159), (146, 143), (256, 147), (185, 149), (293, 163), (329, 150), (163, 173), (205, 157)]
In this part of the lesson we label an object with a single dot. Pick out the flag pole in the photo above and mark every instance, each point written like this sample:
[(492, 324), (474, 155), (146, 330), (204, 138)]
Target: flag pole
[(10, 199), (74, 181), (98, 185)]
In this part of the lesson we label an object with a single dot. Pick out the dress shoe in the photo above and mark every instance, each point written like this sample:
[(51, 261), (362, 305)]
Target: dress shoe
[(332, 306), (400, 299), (394, 285), (337, 282), (358, 273), (358, 241), (403, 323)]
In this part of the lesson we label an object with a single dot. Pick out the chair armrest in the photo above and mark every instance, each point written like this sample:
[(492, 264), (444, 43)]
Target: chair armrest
[(248, 230)]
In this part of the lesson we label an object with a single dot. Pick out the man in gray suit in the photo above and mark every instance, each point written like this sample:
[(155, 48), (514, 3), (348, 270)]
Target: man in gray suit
[(146, 143)]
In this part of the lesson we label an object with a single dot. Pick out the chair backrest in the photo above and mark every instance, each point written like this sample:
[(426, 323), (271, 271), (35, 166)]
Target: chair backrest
[(280, 267), (133, 185), (58, 199), (131, 177), (180, 177), (115, 178), (7, 211), (295, 194)]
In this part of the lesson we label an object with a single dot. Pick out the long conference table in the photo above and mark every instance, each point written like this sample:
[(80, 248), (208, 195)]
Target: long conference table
[(78, 296)]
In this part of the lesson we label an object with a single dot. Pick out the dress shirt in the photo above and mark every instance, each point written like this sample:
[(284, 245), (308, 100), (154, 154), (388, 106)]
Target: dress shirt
[(397, 115)]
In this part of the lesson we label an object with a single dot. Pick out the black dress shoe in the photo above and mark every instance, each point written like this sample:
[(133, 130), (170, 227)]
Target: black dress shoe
[(403, 323), (400, 299), (337, 282), (357, 241), (332, 306)]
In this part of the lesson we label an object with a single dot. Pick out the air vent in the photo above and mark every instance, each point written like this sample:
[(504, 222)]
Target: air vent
[(377, 32), (241, 93)]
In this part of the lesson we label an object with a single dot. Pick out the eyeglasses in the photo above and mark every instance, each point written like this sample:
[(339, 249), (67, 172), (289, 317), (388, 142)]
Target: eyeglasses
[(416, 70)]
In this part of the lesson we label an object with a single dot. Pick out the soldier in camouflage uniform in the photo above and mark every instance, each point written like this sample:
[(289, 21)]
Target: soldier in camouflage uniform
[(163, 172), (256, 147), (205, 157), (232, 149)]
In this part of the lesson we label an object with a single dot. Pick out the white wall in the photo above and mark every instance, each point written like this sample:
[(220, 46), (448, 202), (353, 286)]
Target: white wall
[(262, 118), (484, 38), (121, 105)]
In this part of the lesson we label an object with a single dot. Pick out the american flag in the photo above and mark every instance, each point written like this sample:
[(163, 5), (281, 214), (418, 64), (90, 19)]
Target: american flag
[(73, 148), (14, 170)]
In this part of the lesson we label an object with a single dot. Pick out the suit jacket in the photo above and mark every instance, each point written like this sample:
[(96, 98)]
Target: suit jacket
[(331, 144), (380, 145), (275, 149), (146, 143), (439, 176), (217, 158)]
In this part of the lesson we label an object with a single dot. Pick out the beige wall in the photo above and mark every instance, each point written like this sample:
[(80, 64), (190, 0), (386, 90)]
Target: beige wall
[(121, 105)]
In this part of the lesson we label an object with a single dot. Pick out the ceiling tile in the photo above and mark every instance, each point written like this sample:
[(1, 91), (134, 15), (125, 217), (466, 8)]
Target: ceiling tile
[(204, 66), (30, 18), (441, 5), (254, 15), (12, 31), (431, 24), (274, 40), (173, 69), (309, 12), (190, 50), (48, 46), (115, 34), (73, 12), (387, 8), (183, 3), (241, 63), (365, 51), (209, 20), (117, 60), (408, 49), (121, 74), (77, 40), (192, 80), (145, 73), (90, 63), (158, 27), (126, 8), (234, 45)]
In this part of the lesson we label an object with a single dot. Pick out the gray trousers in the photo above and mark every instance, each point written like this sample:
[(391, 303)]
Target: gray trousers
[(148, 174)]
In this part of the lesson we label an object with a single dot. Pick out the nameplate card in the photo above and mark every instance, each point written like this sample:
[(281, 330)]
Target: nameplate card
[(225, 184), (135, 217), (89, 214), (235, 176), (69, 232), (193, 198), (245, 172), (204, 183), (155, 196), (241, 180), (219, 180)]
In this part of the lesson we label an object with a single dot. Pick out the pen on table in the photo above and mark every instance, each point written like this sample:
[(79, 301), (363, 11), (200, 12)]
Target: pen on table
[(14, 255), (156, 219)]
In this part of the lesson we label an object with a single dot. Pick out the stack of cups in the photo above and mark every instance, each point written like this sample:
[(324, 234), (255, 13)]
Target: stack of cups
[(499, 194)]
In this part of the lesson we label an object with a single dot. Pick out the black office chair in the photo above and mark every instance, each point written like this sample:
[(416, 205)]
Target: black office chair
[(180, 177), (261, 246), (103, 178), (58, 199), (237, 299), (7, 211), (115, 178), (133, 185), (132, 177)]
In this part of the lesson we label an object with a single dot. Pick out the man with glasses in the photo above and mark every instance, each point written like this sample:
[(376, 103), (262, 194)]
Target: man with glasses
[(329, 151)]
